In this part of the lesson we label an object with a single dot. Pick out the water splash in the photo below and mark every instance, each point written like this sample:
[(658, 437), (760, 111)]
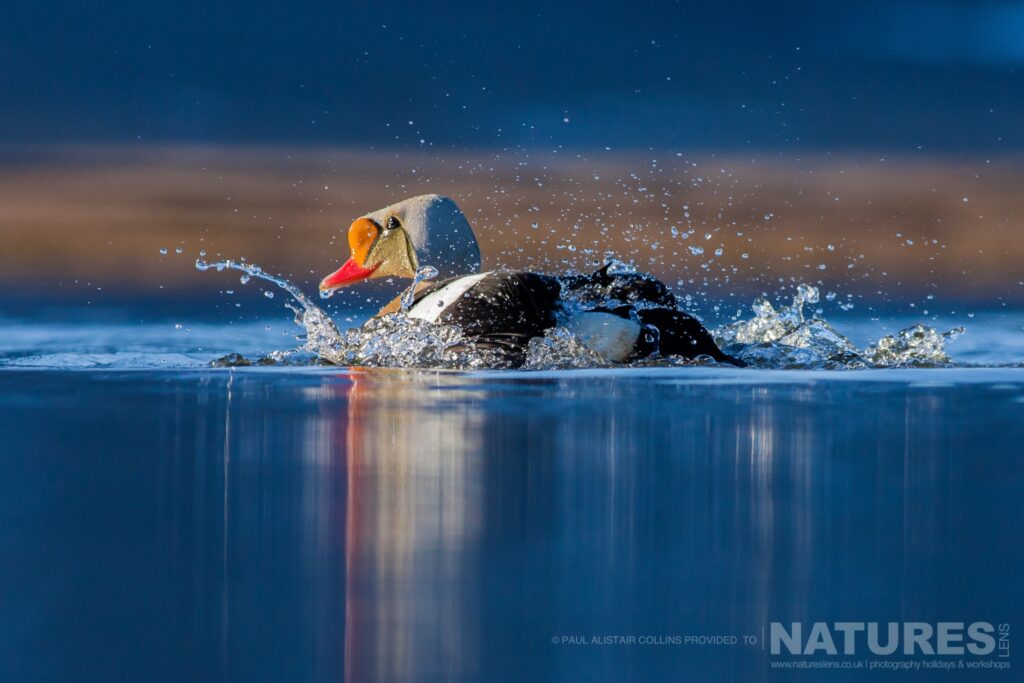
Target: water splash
[(422, 275), (917, 345), (774, 338), (322, 336), (560, 349), (785, 338), (251, 270)]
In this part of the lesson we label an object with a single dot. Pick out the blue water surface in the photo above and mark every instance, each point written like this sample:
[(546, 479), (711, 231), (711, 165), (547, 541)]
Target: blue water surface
[(162, 521)]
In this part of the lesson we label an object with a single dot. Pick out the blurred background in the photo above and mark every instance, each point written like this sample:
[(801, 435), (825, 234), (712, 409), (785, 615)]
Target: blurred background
[(732, 148)]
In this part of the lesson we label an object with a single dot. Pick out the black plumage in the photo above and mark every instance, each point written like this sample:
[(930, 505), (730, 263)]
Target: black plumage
[(503, 310)]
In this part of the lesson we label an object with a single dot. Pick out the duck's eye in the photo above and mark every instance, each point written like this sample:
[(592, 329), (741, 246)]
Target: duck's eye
[(393, 223)]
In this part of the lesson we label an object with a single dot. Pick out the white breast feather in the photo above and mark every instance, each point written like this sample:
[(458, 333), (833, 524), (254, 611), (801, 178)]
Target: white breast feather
[(430, 307)]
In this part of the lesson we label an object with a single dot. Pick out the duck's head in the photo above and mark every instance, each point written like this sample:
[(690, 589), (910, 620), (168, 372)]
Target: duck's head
[(395, 241)]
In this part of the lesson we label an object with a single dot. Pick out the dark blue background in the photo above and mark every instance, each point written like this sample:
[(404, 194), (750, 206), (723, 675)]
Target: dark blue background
[(725, 75)]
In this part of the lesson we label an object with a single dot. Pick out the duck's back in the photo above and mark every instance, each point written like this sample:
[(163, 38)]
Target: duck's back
[(488, 303), (621, 316)]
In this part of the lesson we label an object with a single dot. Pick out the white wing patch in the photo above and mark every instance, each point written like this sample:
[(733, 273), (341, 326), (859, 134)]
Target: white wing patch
[(431, 307), (606, 334)]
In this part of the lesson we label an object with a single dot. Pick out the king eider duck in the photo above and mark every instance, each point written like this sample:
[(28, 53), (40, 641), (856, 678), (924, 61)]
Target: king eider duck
[(621, 316)]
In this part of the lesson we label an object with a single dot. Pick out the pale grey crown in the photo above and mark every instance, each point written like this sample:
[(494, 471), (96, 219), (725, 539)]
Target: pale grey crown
[(439, 232)]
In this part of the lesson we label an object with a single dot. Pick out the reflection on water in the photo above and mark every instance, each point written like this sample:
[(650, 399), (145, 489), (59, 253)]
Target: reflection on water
[(414, 526), (385, 525)]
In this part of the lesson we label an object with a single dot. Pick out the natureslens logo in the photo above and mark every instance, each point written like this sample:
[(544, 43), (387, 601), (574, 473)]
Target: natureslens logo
[(979, 638)]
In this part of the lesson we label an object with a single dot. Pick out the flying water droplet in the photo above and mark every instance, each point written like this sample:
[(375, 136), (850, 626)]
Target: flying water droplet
[(424, 273)]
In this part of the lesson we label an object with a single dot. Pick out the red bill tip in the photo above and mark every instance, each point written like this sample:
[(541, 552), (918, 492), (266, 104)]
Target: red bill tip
[(349, 272)]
